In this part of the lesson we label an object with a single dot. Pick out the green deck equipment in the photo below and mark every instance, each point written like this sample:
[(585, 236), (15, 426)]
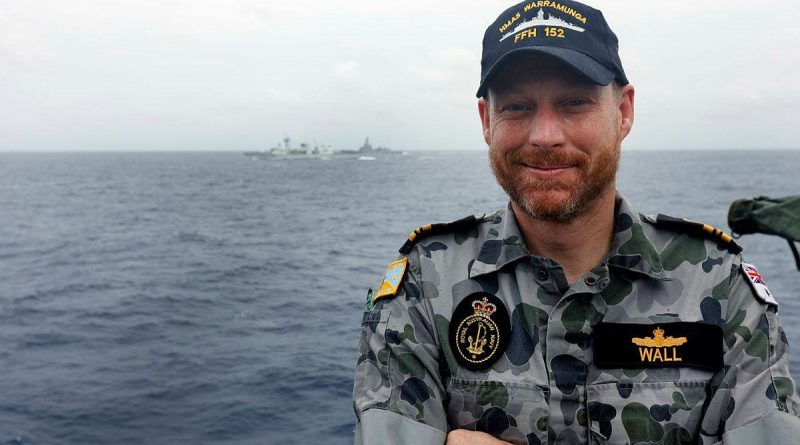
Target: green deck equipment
[(771, 216)]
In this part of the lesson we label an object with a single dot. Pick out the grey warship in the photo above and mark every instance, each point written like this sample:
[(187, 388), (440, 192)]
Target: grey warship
[(286, 151)]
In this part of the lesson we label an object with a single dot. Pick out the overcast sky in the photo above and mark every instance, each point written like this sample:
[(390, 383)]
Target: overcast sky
[(242, 74)]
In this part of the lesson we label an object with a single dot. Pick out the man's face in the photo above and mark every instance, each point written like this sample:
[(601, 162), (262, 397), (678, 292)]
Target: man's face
[(554, 138)]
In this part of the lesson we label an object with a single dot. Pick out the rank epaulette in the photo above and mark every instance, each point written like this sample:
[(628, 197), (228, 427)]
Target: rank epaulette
[(436, 229), (699, 229)]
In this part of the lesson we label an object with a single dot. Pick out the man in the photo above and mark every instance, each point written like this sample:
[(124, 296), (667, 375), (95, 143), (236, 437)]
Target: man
[(568, 317)]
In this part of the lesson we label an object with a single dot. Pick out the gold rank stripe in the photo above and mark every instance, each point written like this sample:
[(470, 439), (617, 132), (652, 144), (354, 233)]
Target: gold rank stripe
[(713, 231), (718, 233), (418, 231)]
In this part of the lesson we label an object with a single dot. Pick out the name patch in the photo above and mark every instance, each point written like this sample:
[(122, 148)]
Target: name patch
[(678, 344), (479, 331)]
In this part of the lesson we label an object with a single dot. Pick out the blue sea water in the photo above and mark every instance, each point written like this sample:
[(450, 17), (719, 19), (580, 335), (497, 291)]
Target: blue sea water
[(211, 298)]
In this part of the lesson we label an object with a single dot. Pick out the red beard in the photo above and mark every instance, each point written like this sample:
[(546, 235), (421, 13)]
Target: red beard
[(558, 199)]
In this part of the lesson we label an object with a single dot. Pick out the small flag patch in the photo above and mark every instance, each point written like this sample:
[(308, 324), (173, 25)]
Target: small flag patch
[(392, 279), (758, 283)]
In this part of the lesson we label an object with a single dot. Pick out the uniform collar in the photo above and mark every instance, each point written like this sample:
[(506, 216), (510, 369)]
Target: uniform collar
[(631, 249), (502, 243)]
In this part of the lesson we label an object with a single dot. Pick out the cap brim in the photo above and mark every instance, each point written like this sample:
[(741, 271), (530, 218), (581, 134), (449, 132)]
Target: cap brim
[(582, 63)]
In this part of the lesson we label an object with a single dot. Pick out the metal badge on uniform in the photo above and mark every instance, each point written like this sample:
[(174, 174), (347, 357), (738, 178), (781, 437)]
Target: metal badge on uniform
[(479, 331), (757, 282), (676, 344), (392, 279)]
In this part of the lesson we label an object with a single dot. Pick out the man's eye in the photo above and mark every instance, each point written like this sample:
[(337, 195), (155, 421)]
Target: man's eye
[(516, 107), (577, 102)]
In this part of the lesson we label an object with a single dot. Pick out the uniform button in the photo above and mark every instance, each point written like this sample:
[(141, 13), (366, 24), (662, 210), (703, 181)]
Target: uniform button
[(541, 275), (590, 280)]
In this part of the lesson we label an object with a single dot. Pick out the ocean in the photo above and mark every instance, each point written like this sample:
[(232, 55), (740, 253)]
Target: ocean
[(171, 298)]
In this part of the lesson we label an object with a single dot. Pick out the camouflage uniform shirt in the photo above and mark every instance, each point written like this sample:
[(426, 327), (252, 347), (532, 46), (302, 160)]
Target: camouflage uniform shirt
[(546, 387)]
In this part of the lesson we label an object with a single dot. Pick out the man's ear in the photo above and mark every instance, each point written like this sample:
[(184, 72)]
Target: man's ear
[(626, 96), (483, 111)]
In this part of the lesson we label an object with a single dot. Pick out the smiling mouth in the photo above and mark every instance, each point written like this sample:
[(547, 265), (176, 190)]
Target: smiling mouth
[(548, 167), (547, 171)]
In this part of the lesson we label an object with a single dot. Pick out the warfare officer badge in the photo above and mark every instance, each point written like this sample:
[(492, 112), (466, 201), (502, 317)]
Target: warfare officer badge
[(479, 331)]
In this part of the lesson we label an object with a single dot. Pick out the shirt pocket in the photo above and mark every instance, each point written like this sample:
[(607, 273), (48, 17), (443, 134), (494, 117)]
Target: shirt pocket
[(513, 411), (655, 413)]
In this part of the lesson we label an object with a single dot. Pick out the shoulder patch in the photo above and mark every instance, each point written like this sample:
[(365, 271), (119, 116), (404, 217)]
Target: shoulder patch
[(698, 229), (392, 279), (758, 284), (435, 229)]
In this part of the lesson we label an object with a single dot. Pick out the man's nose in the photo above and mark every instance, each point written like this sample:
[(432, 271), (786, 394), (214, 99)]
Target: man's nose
[(546, 130)]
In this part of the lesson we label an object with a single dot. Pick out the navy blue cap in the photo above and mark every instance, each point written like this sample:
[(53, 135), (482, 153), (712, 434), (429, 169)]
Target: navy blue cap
[(570, 31)]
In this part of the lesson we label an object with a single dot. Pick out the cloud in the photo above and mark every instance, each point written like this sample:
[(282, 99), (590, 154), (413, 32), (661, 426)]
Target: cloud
[(459, 57), (403, 72), (23, 44), (347, 69)]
